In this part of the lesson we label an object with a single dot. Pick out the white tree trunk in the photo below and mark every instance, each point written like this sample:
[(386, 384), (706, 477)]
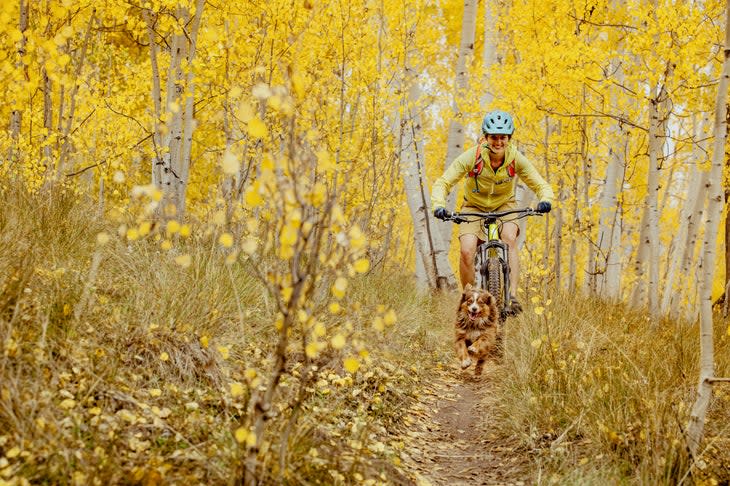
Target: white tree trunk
[(173, 144), (455, 141), (188, 120), (589, 283), (558, 241), (609, 229), (429, 246), (16, 116), (716, 201), (652, 204), (684, 240), (156, 100), (489, 54)]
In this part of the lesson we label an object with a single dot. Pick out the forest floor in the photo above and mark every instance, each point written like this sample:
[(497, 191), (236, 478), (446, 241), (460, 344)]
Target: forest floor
[(450, 443)]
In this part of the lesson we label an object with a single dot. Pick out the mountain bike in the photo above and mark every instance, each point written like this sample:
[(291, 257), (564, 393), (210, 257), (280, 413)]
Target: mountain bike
[(491, 261)]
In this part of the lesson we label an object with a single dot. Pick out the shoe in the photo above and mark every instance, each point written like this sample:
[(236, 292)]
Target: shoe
[(515, 306)]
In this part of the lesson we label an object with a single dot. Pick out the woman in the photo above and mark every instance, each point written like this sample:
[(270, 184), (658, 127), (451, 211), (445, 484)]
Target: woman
[(490, 185)]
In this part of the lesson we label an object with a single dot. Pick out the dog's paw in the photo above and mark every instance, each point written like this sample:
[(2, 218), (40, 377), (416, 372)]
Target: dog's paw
[(465, 363)]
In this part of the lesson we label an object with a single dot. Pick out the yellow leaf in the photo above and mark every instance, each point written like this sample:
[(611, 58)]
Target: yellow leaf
[(241, 434), (338, 341), (166, 245), (237, 389), (68, 404), (256, 128), (230, 163), (164, 356), (144, 228), (288, 235), (297, 82), (357, 238), (539, 310), (378, 324), (339, 287), (253, 197), (63, 60), (250, 373), (183, 260), (362, 265), (94, 411), (172, 227), (311, 350), (319, 329), (335, 308), (102, 239), (132, 234), (226, 240), (536, 343), (224, 351), (185, 230), (249, 246), (351, 364), (204, 341), (154, 392), (390, 318), (245, 112), (13, 453)]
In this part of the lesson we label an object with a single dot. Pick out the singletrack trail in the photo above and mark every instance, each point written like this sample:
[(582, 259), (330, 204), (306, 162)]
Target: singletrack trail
[(449, 442)]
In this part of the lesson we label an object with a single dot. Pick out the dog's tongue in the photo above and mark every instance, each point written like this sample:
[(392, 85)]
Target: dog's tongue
[(472, 317)]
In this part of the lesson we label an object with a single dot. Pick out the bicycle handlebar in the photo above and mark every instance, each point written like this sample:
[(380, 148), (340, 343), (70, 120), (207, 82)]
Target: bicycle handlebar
[(458, 217)]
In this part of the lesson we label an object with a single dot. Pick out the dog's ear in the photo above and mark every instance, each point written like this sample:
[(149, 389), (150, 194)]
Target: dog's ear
[(467, 288)]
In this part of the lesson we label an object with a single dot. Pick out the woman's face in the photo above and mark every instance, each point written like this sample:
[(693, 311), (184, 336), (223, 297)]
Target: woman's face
[(498, 143)]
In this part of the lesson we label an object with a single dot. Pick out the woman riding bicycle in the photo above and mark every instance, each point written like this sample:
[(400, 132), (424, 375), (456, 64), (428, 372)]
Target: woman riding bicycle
[(490, 186)]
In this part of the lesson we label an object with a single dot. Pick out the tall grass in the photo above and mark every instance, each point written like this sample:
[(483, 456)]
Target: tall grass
[(600, 394), (135, 369)]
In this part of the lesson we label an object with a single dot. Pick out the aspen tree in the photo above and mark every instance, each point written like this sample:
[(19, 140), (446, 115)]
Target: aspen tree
[(455, 141), (683, 243), (173, 137), (429, 245), (716, 201), (16, 115)]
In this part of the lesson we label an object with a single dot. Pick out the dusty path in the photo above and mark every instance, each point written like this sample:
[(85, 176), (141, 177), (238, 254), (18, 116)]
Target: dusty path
[(449, 442)]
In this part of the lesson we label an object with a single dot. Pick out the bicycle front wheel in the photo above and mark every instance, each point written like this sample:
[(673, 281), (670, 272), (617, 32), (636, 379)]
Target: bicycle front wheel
[(495, 282)]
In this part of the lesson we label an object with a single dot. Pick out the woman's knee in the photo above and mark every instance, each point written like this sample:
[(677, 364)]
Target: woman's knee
[(509, 233), (468, 248)]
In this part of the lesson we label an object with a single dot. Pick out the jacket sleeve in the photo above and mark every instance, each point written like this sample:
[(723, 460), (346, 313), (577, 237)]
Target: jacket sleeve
[(456, 171), (533, 179)]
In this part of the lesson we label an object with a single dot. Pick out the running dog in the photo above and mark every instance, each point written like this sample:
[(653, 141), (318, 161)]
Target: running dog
[(477, 326)]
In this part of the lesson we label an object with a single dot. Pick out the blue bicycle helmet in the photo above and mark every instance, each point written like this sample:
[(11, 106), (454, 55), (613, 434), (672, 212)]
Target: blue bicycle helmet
[(498, 122)]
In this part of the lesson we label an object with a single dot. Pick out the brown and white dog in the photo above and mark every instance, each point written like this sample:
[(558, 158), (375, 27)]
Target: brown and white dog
[(477, 328)]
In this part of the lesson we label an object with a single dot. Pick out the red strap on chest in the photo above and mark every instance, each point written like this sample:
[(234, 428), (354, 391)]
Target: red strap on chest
[(479, 162)]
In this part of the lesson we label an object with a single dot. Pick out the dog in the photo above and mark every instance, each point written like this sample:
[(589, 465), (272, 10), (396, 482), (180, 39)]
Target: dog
[(478, 332)]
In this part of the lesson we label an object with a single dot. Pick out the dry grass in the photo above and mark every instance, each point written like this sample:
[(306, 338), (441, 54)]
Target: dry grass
[(145, 376), (136, 382), (599, 394)]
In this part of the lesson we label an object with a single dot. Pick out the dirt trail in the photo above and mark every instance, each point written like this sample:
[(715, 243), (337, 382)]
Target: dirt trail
[(449, 442)]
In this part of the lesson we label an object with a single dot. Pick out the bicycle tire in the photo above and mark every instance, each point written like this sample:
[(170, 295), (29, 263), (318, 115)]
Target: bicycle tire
[(495, 282)]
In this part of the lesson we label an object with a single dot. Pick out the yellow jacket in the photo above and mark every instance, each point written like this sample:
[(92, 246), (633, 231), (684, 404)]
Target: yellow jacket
[(495, 187)]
